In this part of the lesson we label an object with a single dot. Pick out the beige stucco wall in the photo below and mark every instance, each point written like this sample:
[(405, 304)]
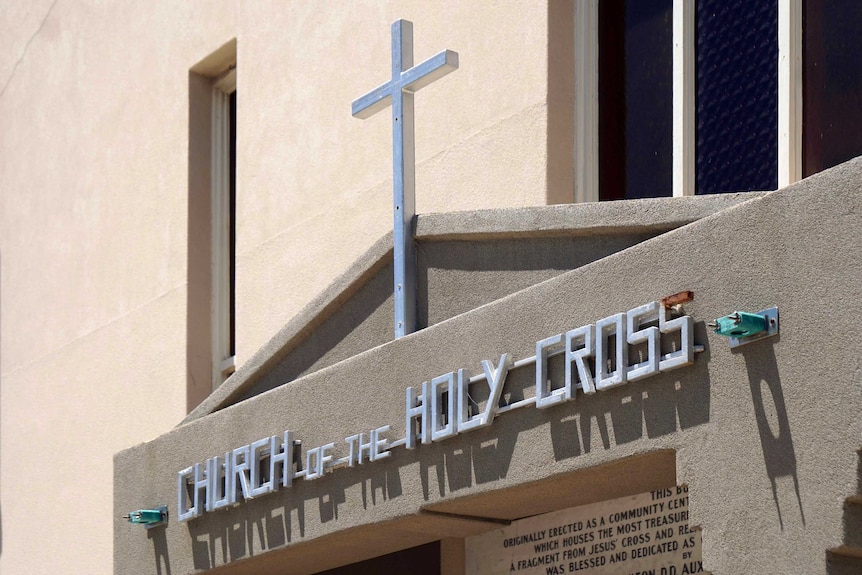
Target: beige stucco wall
[(92, 258), (315, 182), (765, 435), (94, 178)]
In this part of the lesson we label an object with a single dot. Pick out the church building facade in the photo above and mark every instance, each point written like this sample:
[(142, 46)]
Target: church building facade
[(443, 288)]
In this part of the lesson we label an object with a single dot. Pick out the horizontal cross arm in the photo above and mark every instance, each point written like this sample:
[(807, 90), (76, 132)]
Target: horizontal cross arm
[(372, 102), (431, 69)]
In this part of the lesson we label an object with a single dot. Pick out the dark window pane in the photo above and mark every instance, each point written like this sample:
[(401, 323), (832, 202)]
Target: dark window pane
[(832, 83), (232, 224), (635, 98), (737, 95)]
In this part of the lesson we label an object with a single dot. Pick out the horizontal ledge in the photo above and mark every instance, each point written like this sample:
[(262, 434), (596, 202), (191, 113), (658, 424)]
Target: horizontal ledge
[(462, 517), (572, 220)]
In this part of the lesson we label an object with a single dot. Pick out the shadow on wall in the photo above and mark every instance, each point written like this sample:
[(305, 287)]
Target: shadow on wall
[(216, 542), (1, 387), (360, 323), (457, 276), (772, 422), (279, 519), (198, 260), (673, 401), (160, 548), (655, 407), (659, 406)]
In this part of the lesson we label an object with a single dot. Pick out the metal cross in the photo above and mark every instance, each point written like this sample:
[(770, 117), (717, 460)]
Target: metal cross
[(398, 92)]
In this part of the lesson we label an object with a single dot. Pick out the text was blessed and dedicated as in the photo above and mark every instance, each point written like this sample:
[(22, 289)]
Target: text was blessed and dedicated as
[(646, 534)]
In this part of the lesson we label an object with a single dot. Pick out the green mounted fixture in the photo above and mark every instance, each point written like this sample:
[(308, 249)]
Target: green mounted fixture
[(743, 327), (739, 324), (149, 517)]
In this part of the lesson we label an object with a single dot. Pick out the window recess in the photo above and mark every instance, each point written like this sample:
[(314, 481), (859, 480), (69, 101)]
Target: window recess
[(223, 261), (685, 97)]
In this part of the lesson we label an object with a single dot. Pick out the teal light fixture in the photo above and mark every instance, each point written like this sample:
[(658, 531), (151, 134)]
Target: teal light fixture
[(149, 517), (742, 327), (739, 324)]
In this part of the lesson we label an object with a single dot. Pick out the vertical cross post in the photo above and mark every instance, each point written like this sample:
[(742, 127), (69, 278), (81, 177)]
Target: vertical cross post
[(398, 93)]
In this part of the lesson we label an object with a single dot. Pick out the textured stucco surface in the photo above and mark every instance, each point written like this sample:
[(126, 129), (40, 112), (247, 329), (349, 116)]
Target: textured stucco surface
[(103, 111), (316, 182), (765, 436), (93, 194), (465, 259)]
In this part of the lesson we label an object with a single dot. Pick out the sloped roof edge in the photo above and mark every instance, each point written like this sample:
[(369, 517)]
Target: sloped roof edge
[(562, 220)]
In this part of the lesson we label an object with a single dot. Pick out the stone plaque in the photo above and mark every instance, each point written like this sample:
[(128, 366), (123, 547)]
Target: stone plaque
[(636, 535)]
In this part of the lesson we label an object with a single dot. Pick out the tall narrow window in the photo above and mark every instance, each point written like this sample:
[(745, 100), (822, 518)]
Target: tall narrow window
[(210, 295), (687, 97), (832, 83), (737, 95), (223, 178), (635, 98)]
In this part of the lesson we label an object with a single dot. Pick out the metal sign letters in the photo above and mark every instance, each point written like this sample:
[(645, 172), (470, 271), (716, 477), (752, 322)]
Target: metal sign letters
[(595, 358)]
